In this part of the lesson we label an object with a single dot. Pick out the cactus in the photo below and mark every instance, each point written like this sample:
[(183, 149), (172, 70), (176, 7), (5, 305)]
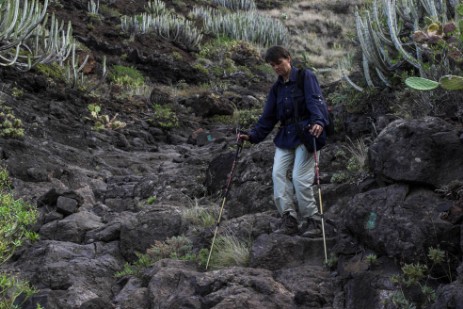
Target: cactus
[(451, 82), (385, 36), (28, 38), (420, 83), (447, 82)]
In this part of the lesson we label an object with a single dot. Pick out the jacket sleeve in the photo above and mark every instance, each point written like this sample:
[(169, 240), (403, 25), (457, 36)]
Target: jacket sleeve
[(267, 120), (313, 94)]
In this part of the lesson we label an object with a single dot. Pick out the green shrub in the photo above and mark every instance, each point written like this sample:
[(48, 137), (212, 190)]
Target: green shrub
[(199, 216), (11, 289), (176, 247), (135, 268), (103, 121), (417, 276), (371, 259), (16, 218), (52, 70), (10, 126), (229, 251), (164, 117), (126, 76)]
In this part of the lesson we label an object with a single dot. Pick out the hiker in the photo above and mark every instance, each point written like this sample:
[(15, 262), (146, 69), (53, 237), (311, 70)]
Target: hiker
[(282, 99)]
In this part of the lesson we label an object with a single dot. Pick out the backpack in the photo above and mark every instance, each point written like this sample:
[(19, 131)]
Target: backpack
[(323, 107)]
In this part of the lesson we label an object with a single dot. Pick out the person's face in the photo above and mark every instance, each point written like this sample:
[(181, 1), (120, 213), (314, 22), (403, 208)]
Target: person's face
[(282, 67)]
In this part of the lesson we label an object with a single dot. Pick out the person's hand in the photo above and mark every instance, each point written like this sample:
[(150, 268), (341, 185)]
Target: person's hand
[(316, 130), (243, 137)]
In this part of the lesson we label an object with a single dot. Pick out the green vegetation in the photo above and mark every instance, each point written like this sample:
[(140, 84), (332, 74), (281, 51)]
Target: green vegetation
[(250, 26), (418, 276), (332, 261), (243, 118), (103, 121), (11, 289), (28, 37), (229, 251), (448, 82), (199, 216), (371, 259), (236, 5), (176, 247), (16, 218), (126, 76), (159, 21), (356, 155), (392, 42), (53, 70), (10, 126), (151, 200), (164, 117)]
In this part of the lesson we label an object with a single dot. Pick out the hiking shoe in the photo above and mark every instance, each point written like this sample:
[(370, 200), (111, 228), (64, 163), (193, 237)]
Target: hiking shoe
[(288, 225), (311, 227)]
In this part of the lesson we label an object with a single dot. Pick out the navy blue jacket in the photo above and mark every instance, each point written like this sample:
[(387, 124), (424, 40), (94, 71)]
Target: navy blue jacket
[(279, 107)]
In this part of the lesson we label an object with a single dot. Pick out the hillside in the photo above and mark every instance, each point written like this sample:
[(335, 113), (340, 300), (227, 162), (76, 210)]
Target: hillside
[(127, 164)]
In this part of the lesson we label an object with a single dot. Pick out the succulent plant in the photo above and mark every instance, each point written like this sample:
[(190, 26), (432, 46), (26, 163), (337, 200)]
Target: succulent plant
[(392, 38), (447, 82)]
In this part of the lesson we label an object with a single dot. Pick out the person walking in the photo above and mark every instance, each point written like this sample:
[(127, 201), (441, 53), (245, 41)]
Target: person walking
[(296, 110)]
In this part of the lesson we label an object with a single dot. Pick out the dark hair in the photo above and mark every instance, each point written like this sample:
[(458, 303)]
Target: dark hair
[(275, 53)]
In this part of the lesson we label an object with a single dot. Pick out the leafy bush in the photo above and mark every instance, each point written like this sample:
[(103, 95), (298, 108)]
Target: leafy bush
[(176, 247), (16, 217), (10, 126), (126, 76), (418, 275), (103, 121), (164, 117), (12, 289)]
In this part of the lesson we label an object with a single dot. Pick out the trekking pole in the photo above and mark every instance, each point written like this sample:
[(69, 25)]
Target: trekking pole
[(317, 176), (239, 144)]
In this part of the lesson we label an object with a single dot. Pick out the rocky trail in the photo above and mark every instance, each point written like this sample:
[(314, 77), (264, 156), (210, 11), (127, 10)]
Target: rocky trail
[(107, 196)]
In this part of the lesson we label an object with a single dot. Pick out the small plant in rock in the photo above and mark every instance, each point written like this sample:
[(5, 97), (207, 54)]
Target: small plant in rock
[(198, 216), (17, 92), (151, 200), (163, 117), (230, 251), (340, 177), (134, 269), (10, 126), (176, 247), (332, 261), (14, 292), (103, 121), (371, 259)]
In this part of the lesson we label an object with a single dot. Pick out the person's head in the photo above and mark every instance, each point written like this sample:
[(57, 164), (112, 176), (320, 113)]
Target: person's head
[(280, 60)]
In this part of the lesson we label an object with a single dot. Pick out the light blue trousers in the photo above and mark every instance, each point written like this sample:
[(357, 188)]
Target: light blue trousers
[(300, 184)]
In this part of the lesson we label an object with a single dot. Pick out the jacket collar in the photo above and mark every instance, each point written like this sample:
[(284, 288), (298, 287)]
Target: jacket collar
[(292, 76)]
